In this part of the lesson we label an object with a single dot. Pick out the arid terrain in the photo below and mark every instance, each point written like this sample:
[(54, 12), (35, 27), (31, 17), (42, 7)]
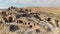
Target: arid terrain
[(30, 20)]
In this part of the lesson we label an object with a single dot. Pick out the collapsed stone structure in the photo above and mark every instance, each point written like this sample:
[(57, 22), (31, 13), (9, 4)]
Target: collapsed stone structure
[(24, 21)]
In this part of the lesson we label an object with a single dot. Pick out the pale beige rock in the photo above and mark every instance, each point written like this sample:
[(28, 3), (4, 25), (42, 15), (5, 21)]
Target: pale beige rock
[(29, 23)]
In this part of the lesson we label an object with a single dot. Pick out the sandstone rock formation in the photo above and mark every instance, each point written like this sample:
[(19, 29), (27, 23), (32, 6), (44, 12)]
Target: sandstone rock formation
[(27, 21)]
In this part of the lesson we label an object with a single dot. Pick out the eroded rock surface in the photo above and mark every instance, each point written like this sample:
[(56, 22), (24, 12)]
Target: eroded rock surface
[(26, 21)]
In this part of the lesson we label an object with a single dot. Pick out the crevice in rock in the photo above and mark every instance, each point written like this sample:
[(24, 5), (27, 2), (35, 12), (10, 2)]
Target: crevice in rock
[(13, 28)]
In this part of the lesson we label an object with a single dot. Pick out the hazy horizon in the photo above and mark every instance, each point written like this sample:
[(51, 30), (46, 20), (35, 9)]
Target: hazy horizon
[(25, 3)]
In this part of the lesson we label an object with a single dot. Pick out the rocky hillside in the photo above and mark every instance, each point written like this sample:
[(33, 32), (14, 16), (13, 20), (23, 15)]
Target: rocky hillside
[(29, 20)]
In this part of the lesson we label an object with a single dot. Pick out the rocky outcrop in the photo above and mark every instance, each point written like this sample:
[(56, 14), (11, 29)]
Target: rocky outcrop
[(25, 21)]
